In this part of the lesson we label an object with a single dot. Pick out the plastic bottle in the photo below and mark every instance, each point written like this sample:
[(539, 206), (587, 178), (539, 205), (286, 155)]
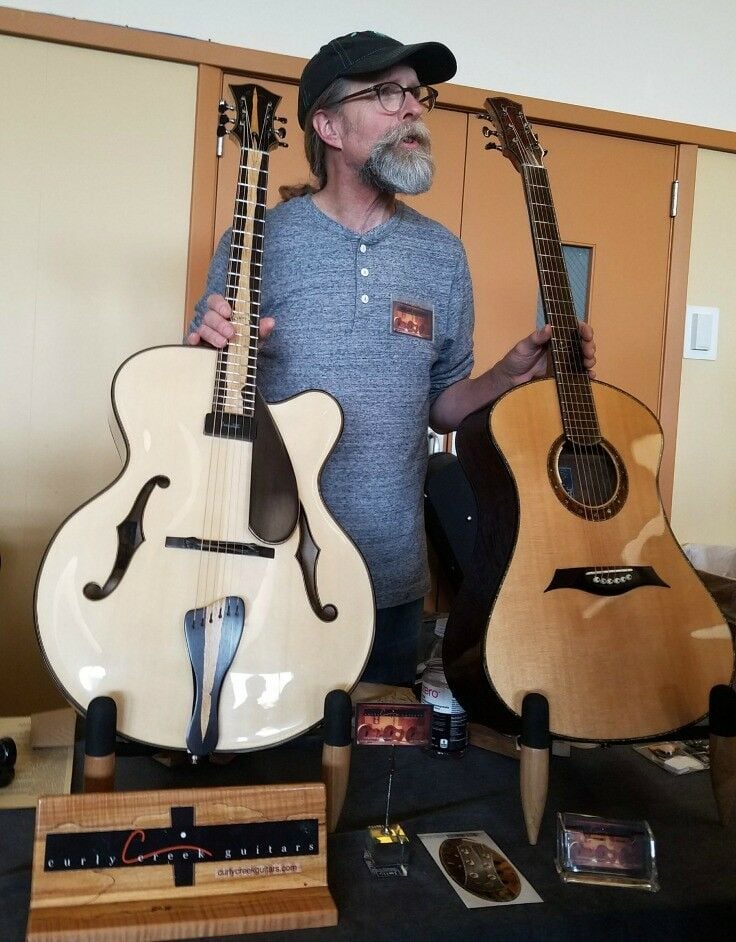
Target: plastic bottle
[(449, 720)]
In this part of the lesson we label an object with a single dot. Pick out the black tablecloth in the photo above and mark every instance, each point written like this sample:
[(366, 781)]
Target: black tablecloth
[(696, 856)]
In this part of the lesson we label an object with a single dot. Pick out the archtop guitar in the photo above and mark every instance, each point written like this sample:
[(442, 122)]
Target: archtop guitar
[(208, 590)]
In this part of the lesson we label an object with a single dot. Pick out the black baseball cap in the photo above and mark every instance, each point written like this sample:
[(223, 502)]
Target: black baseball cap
[(366, 52)]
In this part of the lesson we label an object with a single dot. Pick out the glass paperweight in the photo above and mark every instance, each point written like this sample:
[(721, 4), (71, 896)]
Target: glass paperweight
[(597, 850), (386, 850)]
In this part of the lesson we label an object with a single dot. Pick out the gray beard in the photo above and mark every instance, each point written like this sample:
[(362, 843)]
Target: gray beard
[(392, 169)]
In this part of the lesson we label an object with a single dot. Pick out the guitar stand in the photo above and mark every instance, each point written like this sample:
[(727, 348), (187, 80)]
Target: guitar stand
[(535, 741), (534, 751), (99, 750), (336, 753), (99, 746), (722, 747)]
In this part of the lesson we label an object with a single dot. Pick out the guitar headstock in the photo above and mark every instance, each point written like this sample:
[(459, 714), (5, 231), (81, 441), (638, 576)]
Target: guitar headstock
[(517, 141), (254, 124)]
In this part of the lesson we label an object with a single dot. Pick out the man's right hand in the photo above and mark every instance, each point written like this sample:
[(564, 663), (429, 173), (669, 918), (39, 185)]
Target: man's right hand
[(216, 328)]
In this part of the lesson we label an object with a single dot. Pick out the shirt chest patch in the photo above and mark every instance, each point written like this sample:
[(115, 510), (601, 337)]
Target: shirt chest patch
[(411, 319)]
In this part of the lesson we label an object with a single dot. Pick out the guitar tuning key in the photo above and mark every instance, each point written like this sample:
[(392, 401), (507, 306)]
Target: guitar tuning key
[(281, 120), (487, 132), (222, 131)]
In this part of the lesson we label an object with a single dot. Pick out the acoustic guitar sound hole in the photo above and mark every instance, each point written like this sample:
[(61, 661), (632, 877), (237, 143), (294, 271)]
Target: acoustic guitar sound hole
[(590, 480)]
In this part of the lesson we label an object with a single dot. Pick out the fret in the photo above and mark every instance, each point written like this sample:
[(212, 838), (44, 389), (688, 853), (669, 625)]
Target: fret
[(235, 377), (574, 390)]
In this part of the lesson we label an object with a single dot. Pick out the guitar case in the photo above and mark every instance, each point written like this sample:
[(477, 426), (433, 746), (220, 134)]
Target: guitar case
[(450, 516)]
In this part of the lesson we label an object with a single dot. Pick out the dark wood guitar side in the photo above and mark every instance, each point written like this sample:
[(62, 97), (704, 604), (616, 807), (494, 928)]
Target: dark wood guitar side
[(578, 589)]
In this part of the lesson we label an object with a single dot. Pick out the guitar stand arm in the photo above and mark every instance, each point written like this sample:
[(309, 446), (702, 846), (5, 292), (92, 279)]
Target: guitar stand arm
[(336, 753), (722, 749), (534, 761), (99, 746)]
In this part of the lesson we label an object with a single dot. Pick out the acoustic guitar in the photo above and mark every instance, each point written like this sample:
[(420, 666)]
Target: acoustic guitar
[(577, 588), (208, 590)]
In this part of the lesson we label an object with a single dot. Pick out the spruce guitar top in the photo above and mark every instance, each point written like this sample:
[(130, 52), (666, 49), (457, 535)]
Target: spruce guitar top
[(208, 590), (577, 589)]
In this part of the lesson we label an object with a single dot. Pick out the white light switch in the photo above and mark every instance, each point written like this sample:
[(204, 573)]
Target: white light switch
[(701, 332)]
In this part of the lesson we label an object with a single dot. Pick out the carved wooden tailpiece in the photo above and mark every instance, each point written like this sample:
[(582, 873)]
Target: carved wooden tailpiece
[(213, 634)]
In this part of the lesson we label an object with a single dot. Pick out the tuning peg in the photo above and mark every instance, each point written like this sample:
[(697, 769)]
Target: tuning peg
[(282, 120), (491, 146), (487, 132), (280, 132), (224, 106), (482, 116), (222, 131)]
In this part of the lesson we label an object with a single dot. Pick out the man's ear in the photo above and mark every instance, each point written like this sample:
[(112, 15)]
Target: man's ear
[(326, 126)]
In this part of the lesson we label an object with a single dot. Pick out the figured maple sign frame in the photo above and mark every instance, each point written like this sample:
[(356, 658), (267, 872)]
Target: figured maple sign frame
[(180, 864)]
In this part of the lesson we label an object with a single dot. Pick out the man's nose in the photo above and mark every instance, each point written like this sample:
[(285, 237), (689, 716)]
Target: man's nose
[(411, 109)]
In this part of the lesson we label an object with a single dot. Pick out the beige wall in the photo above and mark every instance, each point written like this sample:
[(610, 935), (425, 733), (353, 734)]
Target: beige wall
[(95, 184), (661, 58), (704, 499)]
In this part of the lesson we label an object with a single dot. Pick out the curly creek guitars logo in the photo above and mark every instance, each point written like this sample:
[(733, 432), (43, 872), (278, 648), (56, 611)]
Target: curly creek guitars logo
[(185, 844)]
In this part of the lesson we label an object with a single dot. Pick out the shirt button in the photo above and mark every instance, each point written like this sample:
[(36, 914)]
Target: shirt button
[(364, 272), (364, 298), (363, 249)]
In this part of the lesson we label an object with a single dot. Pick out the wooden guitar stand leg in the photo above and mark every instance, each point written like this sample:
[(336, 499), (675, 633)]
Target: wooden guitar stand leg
[(534, 761), (723, 749), (336, 753), (99, 746)]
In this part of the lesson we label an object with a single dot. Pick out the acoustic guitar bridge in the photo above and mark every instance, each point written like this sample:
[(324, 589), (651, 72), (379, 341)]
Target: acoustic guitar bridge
[(605, 580)]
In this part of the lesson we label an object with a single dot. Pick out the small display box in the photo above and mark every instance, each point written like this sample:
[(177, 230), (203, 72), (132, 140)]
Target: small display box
[(596, 850)]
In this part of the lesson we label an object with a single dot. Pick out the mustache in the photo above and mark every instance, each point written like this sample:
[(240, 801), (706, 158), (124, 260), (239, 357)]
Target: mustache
[(409, 131)]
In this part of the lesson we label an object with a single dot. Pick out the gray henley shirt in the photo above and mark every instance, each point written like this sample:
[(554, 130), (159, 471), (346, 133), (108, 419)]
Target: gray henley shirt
[(335, 295)]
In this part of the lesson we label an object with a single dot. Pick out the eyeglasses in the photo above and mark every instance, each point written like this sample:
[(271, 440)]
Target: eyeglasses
[(391, 95)]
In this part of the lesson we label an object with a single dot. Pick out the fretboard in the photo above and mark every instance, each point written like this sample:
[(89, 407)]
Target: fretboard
[(574, 390), (235, 379)]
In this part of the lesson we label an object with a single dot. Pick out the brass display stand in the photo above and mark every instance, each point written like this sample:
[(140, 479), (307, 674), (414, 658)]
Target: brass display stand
[(178, 864)]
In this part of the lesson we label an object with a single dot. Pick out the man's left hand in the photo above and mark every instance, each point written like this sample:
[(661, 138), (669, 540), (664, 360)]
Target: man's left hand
[(528, 359)]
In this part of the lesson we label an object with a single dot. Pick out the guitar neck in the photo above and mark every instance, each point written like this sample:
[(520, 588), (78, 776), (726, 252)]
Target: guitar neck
[(235, 381), (579, 417)]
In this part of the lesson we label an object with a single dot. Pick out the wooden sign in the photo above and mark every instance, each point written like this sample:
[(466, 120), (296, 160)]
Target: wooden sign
[(179, 864)]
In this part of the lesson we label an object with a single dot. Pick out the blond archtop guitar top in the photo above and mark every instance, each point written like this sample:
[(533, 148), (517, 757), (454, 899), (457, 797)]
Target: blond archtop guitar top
[(577, 589), (208, 590)]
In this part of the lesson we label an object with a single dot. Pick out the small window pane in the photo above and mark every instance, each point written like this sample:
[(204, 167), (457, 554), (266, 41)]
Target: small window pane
[(578, 261)]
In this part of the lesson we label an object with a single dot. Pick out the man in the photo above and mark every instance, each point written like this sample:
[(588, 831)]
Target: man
[(371, 301)]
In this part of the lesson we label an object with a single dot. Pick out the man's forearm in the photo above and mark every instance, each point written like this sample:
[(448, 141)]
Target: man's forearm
[(459, 400)]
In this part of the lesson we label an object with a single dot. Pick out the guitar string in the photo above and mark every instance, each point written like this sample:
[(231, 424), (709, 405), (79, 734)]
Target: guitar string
[(557, 303), (566, 343), (246, 314), (209, 562), (581, 410), (226, 521), (248, 322), (565, 392)]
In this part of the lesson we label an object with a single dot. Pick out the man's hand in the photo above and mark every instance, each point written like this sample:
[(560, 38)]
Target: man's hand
[(525, 361), (216, 328), (528, 359)]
